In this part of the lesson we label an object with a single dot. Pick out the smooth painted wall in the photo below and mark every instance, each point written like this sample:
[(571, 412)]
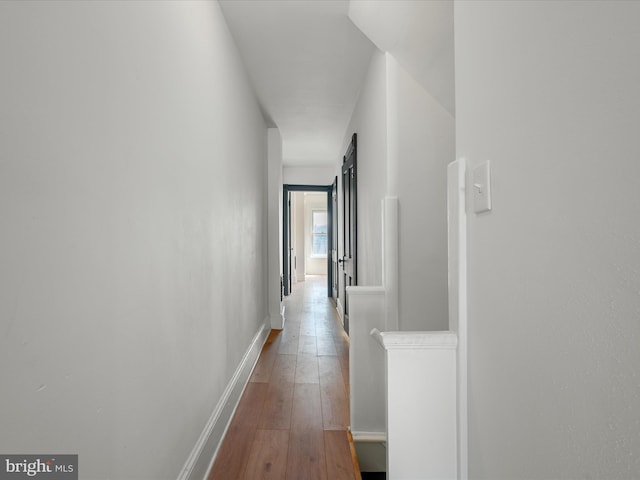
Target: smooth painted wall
[(405, 141), (421, 144), (308, 175), (274, 205), (369, 121), (549, 93), (133, 207)]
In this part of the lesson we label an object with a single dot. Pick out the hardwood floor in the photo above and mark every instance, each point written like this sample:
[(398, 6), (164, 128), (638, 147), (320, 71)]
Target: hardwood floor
[(292, 419)]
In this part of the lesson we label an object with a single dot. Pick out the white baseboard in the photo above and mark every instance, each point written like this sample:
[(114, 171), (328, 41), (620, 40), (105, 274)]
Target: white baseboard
[(206, 448)]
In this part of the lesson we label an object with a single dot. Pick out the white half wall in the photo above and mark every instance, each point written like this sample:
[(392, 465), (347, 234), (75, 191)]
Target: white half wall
[(548, 92), (133, 200)]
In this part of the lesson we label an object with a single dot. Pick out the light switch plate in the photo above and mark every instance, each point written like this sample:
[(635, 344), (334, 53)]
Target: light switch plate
[(482, 188)]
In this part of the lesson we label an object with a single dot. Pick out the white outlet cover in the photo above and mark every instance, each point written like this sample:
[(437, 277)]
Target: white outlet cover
[(481, 185)]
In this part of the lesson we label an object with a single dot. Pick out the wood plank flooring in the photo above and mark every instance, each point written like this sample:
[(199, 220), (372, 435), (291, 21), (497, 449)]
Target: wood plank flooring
[(292, 420)]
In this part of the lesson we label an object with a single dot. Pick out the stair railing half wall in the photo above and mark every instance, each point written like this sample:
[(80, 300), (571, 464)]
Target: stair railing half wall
[(412, 392)]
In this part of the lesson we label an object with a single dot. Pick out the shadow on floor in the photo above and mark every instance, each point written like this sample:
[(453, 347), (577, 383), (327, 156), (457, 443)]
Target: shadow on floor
[(373, 475)]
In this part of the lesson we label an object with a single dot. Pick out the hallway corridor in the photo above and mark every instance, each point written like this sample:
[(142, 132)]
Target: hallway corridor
[(292, 419)]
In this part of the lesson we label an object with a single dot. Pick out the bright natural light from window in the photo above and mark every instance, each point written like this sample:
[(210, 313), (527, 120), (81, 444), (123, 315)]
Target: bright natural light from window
[(319, 233)]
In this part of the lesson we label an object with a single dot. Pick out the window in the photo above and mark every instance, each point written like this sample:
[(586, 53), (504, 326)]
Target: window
[(319, 233)]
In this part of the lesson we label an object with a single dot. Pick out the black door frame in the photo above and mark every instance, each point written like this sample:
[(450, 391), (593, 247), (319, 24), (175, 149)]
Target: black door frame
[(286, 239), (334, 264), (349, 222)]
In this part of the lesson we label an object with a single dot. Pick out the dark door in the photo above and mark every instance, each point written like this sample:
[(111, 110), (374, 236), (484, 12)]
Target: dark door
[(333, 292), (349, 223), (286, 242)]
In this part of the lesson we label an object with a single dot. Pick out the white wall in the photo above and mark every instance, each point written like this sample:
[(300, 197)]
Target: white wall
[(133, 206), (548, 92), (419, 35), (369, 121), (308, 175), (421, 144), (405, 141), (274, 205)]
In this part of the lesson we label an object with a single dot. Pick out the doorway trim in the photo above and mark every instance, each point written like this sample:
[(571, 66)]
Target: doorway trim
[(287, 188)]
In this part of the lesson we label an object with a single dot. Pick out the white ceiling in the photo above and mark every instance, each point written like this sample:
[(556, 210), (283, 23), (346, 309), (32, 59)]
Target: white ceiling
[(307, 61), (419, 35)]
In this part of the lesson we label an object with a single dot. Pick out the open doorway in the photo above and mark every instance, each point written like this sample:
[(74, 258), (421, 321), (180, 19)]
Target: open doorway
[(308, 236)]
